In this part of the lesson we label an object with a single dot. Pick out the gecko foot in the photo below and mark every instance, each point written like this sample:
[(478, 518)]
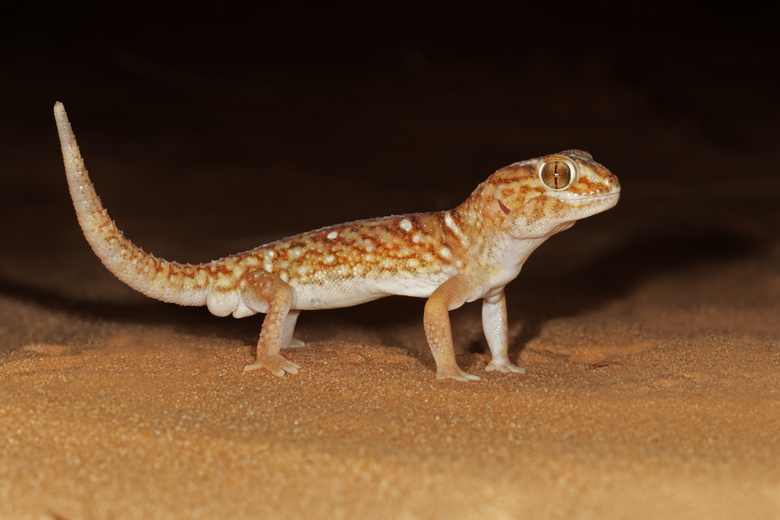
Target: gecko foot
[(505, 367), (276, 364), (455, 373)]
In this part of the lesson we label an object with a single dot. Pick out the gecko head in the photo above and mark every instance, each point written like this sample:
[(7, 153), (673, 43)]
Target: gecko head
[(542, 196)]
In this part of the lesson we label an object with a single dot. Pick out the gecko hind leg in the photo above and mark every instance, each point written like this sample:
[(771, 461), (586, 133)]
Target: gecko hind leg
[(278, 324), (288, 341)]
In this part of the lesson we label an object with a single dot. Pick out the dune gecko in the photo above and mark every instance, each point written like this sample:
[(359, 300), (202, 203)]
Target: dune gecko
[(449, 257)]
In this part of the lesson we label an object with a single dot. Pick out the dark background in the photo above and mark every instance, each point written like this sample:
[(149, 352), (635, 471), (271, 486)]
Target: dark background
[(211, 129)]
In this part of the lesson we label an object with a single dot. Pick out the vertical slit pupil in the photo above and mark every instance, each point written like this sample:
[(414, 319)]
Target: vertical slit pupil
[(556, 175)]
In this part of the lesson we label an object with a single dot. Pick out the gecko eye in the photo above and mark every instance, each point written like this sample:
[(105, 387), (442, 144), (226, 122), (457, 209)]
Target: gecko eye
[(557, 175)]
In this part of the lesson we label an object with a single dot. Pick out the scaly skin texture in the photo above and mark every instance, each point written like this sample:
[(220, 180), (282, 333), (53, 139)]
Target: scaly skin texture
[(449, 257)]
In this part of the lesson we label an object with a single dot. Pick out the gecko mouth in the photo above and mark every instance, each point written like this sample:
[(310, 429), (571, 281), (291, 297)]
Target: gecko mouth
[(588, 198)]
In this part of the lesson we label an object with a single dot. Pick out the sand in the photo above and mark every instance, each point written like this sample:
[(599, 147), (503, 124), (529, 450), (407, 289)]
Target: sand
[(650, 333), (640, 408)]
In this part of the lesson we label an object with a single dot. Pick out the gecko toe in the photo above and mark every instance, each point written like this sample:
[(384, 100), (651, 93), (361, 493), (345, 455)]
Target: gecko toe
[(505, 368), (457, 374), (278, 365)]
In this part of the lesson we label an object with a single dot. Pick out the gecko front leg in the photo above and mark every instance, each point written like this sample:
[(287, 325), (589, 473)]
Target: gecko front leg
[(494, 324), (449, 295), (279, 321)]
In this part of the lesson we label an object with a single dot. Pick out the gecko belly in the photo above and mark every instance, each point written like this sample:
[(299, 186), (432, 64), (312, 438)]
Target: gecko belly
[(334, 294)]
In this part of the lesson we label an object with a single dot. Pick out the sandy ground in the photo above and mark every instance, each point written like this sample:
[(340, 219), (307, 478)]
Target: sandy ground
[(650, 334)]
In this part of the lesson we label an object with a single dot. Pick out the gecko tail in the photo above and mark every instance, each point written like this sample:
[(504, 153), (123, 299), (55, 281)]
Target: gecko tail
[(172, 282)]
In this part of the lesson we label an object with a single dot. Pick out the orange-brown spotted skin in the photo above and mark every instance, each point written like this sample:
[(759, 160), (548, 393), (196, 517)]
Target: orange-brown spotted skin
[(449, 257)]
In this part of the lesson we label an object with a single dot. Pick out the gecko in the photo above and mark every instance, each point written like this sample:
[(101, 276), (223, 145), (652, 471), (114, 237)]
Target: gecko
[(450, 257)]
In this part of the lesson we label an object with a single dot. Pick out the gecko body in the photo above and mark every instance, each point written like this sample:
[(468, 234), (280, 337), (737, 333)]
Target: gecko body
[(452, 257)]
